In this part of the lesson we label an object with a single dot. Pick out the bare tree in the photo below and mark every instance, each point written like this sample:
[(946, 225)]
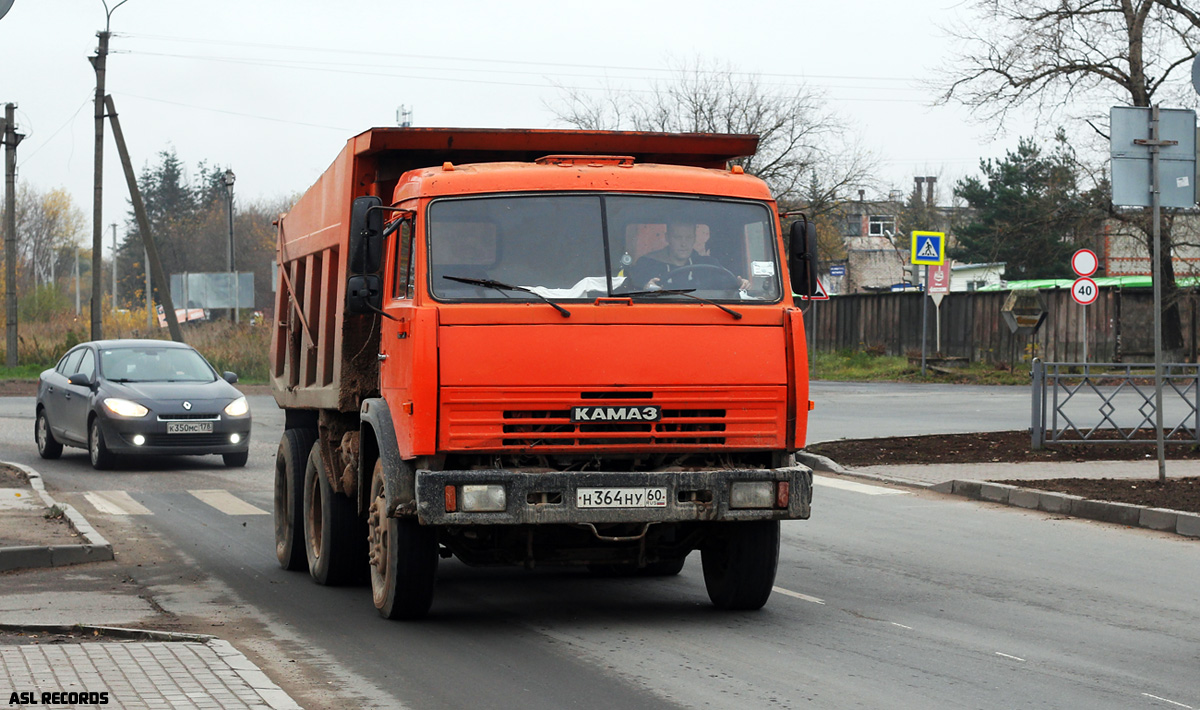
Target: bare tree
[(49, 227), (1077, 57), (804, 152)]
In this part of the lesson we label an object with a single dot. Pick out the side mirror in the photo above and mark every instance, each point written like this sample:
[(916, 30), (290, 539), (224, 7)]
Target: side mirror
[(230, 377), (366, 236), (79, 379), (802, 257), (364, 293)]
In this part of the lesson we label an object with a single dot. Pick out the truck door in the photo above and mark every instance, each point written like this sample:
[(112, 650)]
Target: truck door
[(398, 334)]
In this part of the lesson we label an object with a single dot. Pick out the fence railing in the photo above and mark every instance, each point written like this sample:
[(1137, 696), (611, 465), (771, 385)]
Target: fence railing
[(1112, 403)]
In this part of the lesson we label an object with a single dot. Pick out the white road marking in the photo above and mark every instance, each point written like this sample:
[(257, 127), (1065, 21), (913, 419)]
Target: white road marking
[(902, 626), (857, 487), (228, 503), (116, 503), (1015, 658), (1189, 707), (798, 595)]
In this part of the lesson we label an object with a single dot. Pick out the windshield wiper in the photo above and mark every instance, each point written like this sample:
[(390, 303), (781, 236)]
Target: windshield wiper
[(681, 292), (500, 286)]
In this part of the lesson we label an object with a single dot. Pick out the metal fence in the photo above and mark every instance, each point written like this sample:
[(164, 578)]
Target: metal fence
[(1117, 327), (1112, 403)]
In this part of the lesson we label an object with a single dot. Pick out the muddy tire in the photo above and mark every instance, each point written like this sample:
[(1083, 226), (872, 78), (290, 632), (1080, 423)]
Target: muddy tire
[(739, 562), (403, 558), (47, 446), (333, 535), (290, 462), (102, 458)]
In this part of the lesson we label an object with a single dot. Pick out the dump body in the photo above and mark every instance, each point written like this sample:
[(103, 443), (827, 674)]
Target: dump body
[(567, 347)]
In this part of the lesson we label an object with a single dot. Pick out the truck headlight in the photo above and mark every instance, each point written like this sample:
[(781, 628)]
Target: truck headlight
[(482, 499), (752, 494), (237, 407), (125, 408)]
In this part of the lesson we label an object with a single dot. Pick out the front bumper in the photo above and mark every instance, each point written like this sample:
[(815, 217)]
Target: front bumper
[(691, 496), (119, 436)]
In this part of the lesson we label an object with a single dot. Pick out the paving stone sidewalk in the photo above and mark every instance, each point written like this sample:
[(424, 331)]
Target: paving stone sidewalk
[(138, 675)]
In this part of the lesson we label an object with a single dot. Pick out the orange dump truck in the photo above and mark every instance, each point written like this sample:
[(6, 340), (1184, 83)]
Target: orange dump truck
[(538, 347)]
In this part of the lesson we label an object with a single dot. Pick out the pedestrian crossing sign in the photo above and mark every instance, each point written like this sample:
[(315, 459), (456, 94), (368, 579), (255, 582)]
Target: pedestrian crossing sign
[(928, 248)]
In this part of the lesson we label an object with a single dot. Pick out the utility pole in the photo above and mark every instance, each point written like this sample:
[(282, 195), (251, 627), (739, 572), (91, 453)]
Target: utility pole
[(139, 211), (228, 178), (149, 300), (11, 139), (77, 279), (114, 261), (98, 63)]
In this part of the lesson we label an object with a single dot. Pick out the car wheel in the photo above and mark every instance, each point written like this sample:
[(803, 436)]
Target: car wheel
[(739, 561), (102, 458), (290, 462), (48, 447), (334, 536), (236, 460), (403, 558)]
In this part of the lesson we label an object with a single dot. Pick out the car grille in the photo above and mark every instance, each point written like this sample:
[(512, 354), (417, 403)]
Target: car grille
[(730, 417), (188, 417), (188, 439)]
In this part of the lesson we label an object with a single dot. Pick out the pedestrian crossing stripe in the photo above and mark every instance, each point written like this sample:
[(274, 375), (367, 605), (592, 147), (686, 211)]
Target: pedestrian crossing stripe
[(122, 504), (928, 248)]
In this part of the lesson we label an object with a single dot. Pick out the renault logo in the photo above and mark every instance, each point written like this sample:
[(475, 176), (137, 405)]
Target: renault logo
[(187, 405)]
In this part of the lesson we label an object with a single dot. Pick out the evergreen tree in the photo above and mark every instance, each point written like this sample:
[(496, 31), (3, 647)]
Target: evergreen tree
[(1027, 211)]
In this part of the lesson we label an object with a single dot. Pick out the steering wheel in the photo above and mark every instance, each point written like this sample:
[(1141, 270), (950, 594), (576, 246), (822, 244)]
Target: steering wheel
[(721, 274)]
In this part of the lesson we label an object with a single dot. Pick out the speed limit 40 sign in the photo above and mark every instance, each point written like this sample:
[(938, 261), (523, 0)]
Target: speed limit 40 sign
[(1084, 291)]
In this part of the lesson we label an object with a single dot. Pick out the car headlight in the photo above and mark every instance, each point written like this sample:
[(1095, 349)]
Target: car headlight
[(125, 408), (237, 407)]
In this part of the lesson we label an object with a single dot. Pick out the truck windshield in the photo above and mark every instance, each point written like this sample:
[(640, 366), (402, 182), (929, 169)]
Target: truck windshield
[(583, 246)]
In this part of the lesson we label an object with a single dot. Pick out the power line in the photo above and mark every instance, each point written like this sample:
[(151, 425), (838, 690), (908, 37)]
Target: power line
[(60, 130), (662, 70), (236, 113), (325, 67)]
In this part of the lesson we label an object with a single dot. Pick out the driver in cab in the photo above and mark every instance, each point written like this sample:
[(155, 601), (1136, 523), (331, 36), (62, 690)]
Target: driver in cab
[(653, 270)]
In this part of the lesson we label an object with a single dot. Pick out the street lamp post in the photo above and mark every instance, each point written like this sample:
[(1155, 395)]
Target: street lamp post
[(228, 178)]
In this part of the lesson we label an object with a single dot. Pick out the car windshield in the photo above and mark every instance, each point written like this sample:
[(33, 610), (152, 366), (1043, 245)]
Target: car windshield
[(582, 246), (151, 364)]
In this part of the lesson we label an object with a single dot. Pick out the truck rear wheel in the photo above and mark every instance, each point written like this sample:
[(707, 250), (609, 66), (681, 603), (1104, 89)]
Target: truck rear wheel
[(290, 462), (739, 561), (333, 533), (403, 558)]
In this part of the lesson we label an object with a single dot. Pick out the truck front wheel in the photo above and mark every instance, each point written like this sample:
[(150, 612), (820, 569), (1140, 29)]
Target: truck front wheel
[(332, 531), (403, 558), (739, 561), (290, 462)]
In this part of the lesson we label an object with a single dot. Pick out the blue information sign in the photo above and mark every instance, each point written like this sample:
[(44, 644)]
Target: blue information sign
[(928, 248)]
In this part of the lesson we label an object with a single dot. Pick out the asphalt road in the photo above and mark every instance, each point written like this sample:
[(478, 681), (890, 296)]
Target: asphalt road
[(887, 597)]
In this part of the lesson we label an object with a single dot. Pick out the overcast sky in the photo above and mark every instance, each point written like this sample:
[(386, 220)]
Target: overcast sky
[(273, 88)]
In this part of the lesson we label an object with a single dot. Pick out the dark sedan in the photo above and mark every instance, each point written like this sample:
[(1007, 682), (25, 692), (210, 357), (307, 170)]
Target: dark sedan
[(144, 397)]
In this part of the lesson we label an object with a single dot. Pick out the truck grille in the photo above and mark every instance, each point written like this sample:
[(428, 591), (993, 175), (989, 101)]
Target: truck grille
[(497, 420)]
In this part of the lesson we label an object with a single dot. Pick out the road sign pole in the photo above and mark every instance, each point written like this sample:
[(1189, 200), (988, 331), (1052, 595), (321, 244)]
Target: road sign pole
[(924, 316), (1158, 367)]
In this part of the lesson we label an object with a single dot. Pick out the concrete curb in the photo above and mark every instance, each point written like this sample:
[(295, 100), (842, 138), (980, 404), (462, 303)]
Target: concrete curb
[(1137, 516), (94, 548), (272, 695)]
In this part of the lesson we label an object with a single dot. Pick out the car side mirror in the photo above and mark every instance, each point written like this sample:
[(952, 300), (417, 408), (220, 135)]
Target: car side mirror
[(366, 235), (802, 257), (230, 377), (80, 379), (364, 293)]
